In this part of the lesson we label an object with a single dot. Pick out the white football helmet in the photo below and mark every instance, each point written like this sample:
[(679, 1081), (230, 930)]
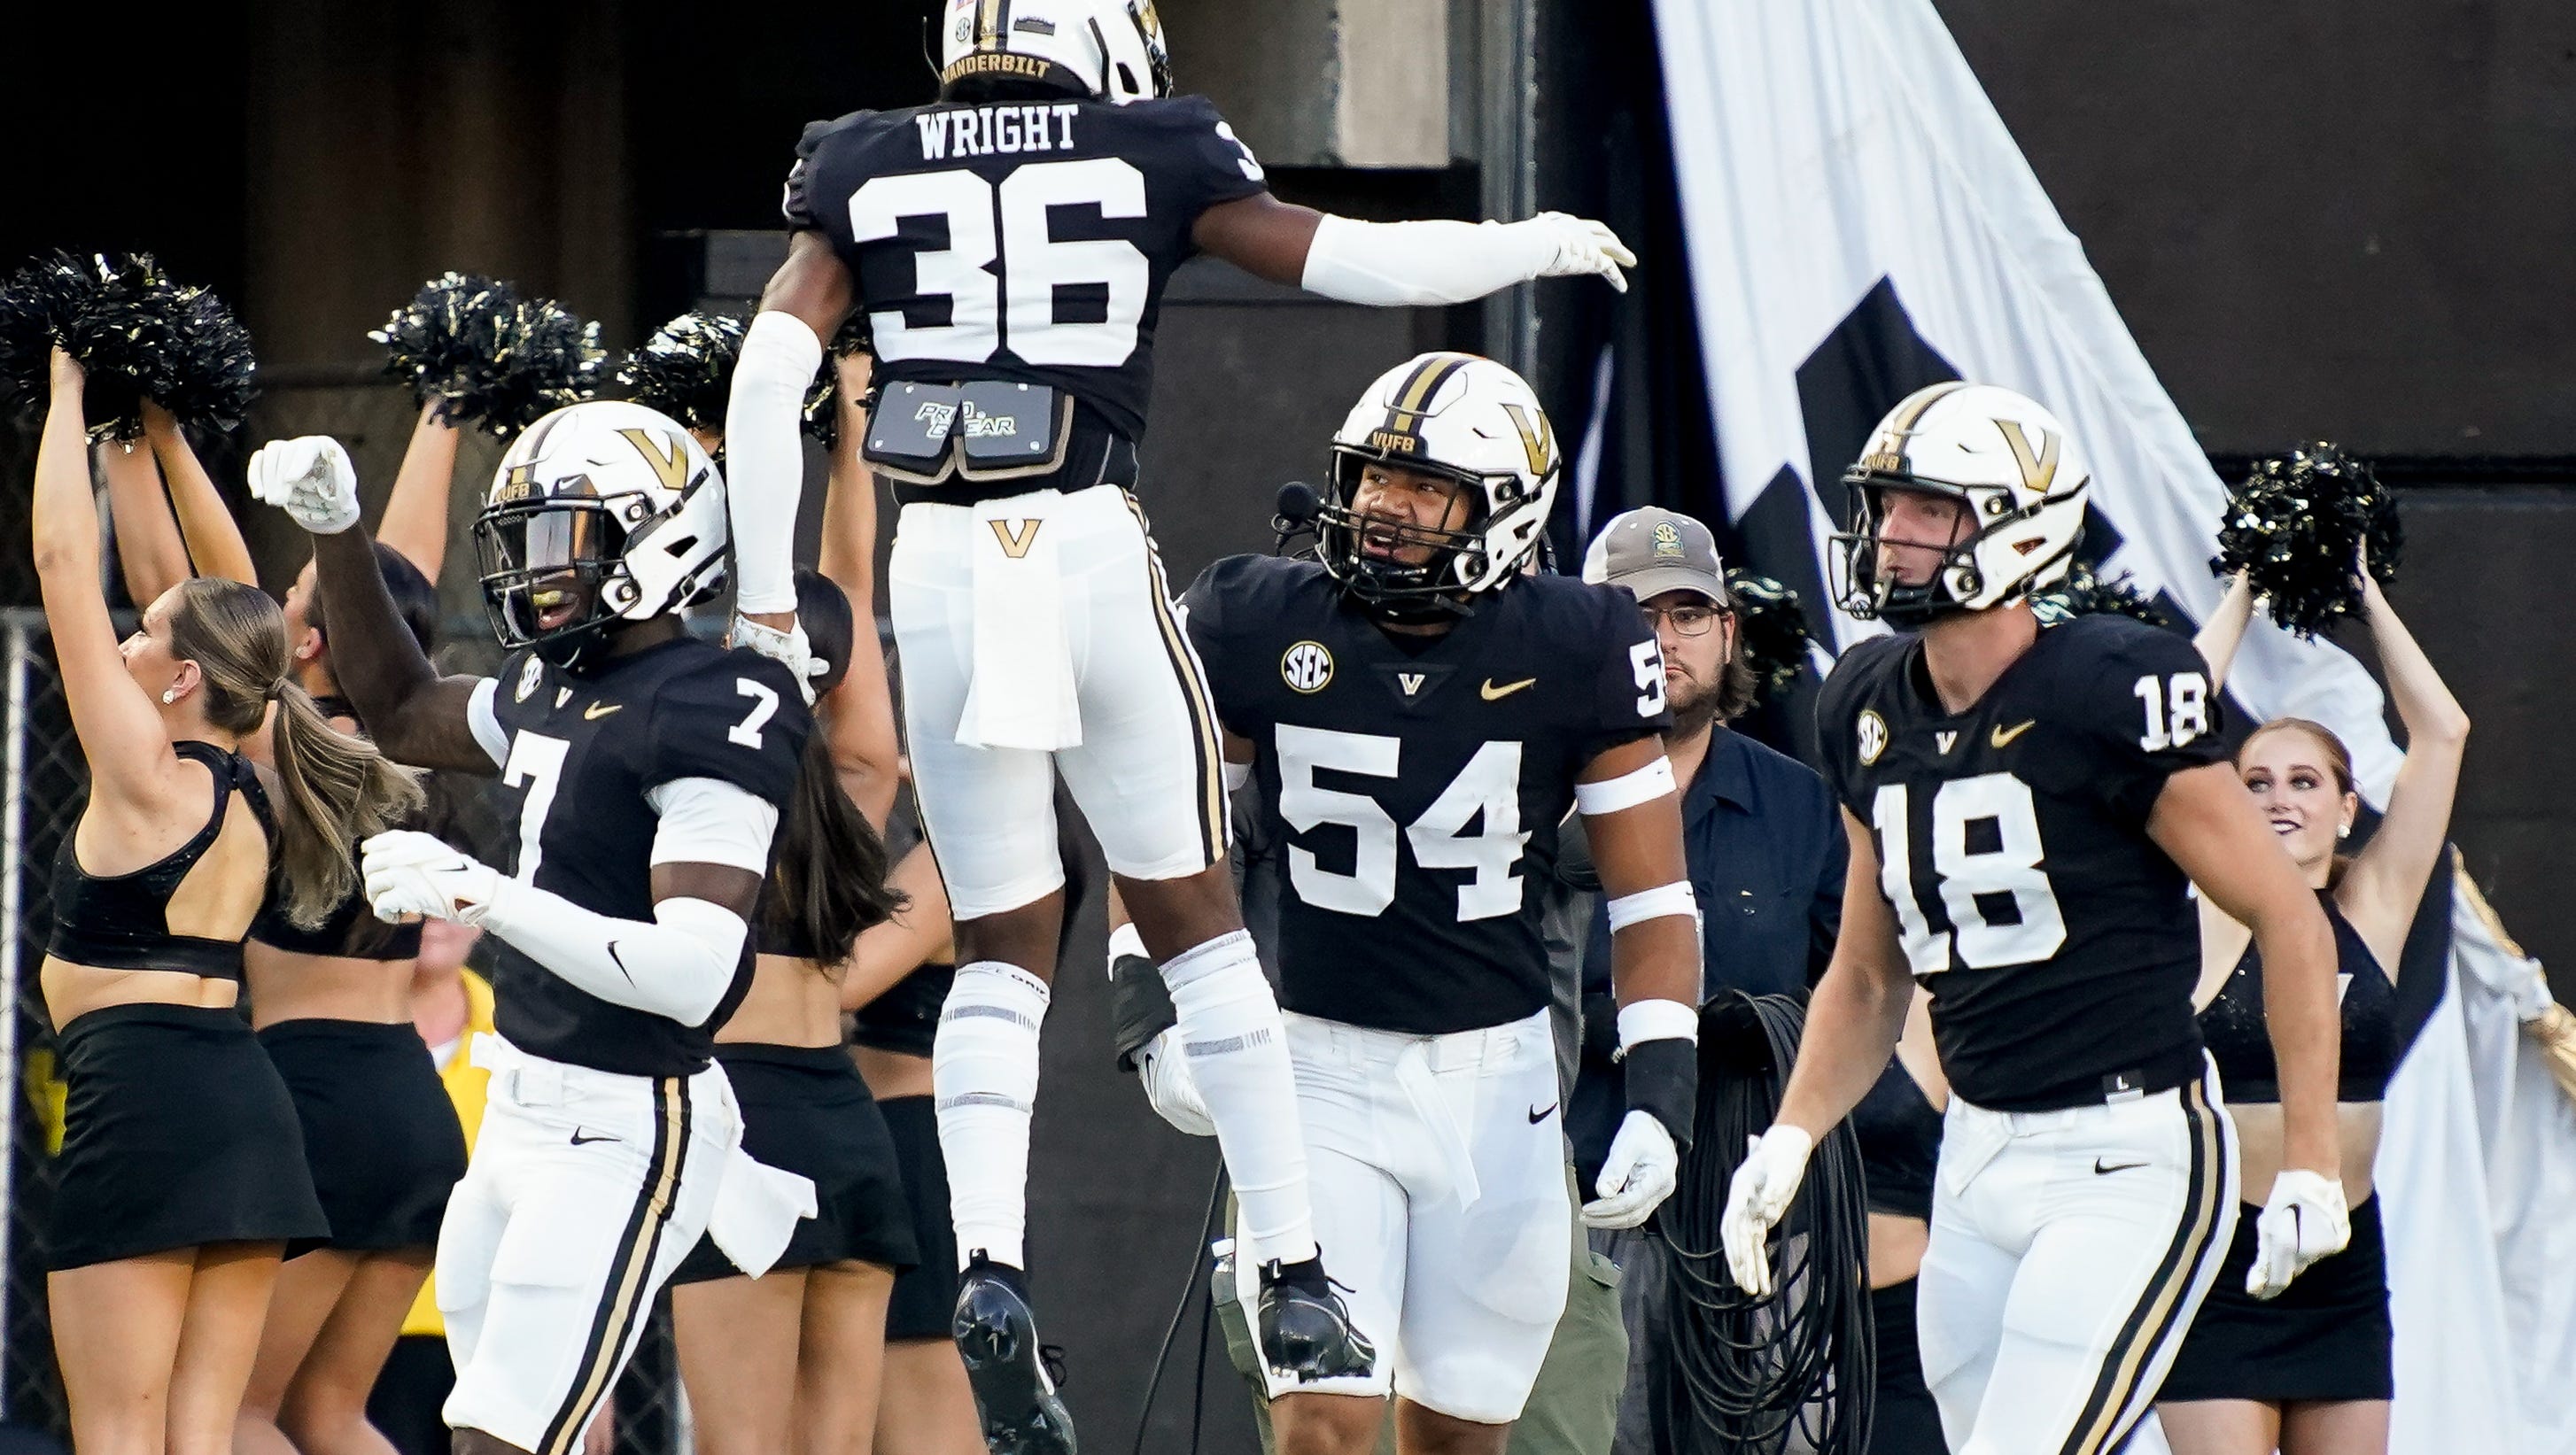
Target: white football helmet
[(1460, 416), (601, 512), (1112, 48), (2007, 460)]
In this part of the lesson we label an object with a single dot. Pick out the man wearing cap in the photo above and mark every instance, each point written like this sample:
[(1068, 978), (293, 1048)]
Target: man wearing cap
[(1766, 855)]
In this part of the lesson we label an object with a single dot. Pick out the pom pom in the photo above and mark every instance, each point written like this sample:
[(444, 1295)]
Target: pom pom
[(136, 333), (1772, 625), (685, 369), (2083, 593), (488, 356), (2298, 526), (822, 418)]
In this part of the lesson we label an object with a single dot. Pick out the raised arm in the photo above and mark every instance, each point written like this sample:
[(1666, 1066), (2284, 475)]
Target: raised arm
[(149, 553), (2220, 636), (206, 523), (120, 730), (765, 473), (415, 518), (415, 715), (2385, 882), (916, 934), (860, 714), (1404, 264)]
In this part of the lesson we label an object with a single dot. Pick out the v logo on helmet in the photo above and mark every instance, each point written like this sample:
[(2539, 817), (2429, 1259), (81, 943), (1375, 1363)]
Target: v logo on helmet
[(1538, 443), (673, 468), (2037, 470)]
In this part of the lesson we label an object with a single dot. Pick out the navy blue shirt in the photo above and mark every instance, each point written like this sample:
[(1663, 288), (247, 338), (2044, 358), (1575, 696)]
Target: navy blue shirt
[(1767, 853)]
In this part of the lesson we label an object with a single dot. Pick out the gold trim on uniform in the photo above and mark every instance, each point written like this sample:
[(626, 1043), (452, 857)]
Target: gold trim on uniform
[(1185, 664)]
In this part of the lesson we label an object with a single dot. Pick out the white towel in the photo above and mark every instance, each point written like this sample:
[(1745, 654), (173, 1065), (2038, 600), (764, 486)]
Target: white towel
[(1021, 692), (757, 1209)]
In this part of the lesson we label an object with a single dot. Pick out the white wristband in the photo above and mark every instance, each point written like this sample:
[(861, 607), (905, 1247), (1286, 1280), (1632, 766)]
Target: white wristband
[(1657, 1020), (1237, 775), (1625, 791), (1656, 903), (1125, 941)]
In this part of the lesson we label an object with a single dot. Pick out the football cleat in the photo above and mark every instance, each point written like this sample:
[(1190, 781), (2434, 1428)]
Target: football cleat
[(1306, 1331), (1015, 1387)]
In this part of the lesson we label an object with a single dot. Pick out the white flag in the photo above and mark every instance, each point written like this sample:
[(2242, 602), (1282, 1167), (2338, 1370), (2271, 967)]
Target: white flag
[(1861, 224)]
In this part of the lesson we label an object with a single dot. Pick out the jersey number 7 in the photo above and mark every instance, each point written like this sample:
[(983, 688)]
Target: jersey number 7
[(1001, 268)]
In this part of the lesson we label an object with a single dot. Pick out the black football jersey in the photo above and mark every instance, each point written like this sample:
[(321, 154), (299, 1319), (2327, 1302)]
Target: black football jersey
[(583, 751), (2058, 941), (1027, 241), (1411, 787)]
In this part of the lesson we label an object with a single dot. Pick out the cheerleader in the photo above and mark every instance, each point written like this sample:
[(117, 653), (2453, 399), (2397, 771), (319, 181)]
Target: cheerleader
[(2306, 1369), (182, 1177), (330, 1003), (791, 1360)]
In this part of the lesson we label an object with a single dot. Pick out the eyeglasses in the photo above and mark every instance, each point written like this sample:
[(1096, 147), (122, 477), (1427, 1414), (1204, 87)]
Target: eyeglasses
[(1687, 621)]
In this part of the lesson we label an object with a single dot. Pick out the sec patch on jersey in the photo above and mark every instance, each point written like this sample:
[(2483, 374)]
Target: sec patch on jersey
[(1306, 667)]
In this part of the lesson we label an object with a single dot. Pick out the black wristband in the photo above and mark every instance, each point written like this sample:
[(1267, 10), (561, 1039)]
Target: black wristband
[(1663, 1079), (1140, 1007)]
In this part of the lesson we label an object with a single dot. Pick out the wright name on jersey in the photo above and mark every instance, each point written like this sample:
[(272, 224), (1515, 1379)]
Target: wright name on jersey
[(2058, 941), (1025, 241), (581, 754), (1415, 784)]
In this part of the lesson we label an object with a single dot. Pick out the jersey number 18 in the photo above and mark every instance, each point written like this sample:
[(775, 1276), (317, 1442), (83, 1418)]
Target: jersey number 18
[(2009, 869)]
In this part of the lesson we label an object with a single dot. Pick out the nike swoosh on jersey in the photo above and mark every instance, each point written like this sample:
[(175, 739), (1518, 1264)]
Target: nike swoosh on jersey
[(598, 710), (1492, 693), (2003, 736), (1537, 1116), (579, 1140), (2099, 1170)]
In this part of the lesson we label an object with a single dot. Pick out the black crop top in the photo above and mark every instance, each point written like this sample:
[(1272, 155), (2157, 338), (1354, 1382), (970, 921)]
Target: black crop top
[(1900, 1143), (905, 1019), (2241, 1043), (122, 921)]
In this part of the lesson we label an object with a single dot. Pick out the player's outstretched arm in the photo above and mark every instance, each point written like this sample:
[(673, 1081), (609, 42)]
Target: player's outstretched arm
[(2207, 824), (803, 305), (1405, 264), (415, 715)]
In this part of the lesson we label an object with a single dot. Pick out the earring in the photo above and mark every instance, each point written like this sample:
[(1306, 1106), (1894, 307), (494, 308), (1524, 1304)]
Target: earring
[(2344, 832), (169, 695)]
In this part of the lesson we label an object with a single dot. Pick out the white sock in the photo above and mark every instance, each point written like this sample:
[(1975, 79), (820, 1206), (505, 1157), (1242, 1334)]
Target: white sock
[(1237, 1049), (984, 1078)]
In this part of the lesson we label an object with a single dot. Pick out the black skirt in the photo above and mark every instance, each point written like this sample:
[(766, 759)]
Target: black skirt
[(177, 1132), (2325, 1338), (925, 1299), (1906, 1421), (380, 1134), (805, 1110)]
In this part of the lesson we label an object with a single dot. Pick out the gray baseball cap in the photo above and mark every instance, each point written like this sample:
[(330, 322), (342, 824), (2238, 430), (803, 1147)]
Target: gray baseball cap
[(1652, 551)]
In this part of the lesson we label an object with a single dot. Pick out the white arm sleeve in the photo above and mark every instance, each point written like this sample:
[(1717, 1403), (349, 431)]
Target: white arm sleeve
[(1410, 264), (680, 963), (765, 457), (486, 723)]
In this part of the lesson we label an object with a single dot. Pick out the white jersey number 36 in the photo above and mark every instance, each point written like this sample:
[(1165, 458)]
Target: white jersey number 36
[(2010, 867)]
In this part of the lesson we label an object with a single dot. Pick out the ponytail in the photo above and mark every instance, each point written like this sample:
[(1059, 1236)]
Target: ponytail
[(336, 790), (827, 881)]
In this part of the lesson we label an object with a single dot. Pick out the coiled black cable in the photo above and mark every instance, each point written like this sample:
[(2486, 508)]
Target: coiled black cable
[(1744, 1372)]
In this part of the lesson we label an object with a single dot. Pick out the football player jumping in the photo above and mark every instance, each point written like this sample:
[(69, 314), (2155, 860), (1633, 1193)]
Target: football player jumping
[(1009, 247), (2028, 811), (650, 769), (1419, 713)]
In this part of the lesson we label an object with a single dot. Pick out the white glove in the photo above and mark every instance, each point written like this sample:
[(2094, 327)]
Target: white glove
[(1169, 1087), (1764, 1186), (309, 478), (412, 873), (789, 648), (1641, 1171), (1583, 246), (2304, 1220)]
